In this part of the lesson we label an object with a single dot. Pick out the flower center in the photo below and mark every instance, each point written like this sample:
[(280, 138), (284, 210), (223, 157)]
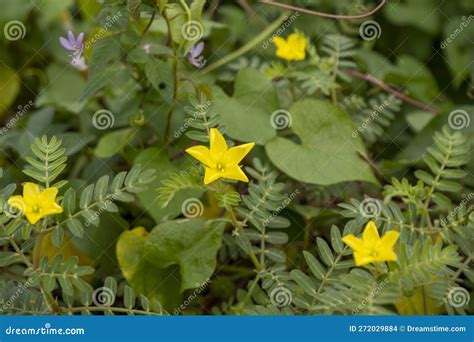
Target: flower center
[(36, 209), (374, 253), (220, 167)]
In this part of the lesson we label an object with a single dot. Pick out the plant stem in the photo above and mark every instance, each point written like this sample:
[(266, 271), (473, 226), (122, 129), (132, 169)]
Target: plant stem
[(53, 305), (334, 96), (307, 235), (322, 14), (186, 8), (425, 308), (390, 90), (148, 25), (37, 250), (242, 304), (250, 45), (116, 309), (170, 111), (239, 227)]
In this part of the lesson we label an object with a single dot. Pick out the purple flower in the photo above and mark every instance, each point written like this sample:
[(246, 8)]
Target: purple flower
[(194, 55), (72, 44)]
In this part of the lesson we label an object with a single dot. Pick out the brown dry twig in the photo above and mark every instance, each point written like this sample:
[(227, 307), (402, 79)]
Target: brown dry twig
[(390, 90), (250, 11), (322, 14)]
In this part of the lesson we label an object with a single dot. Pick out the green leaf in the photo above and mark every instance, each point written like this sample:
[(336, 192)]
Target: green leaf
[(75, 227), (133, 7), (157, 159), (254, 100), (328, 153), (315, 266), (97, 241), (413, 75), (8, 258), (155, 283), (191, 244), (408, 13), (325, 252), (160, 75), (178, 19), (417, 146), (64, 89), (459, 51), (113, 142)]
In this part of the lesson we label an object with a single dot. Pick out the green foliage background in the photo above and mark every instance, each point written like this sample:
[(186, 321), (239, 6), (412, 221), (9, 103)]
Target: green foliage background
[(373, 128)]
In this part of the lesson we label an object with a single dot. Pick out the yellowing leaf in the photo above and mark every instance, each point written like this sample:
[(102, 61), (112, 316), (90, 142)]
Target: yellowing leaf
[(413, 305)]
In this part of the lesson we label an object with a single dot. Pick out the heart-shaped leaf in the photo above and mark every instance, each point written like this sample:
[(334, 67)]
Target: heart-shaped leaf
[(145, 278), (247, 114), (328, 152), (190, 243)]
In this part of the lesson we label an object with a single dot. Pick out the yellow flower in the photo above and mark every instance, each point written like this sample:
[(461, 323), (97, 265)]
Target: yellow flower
[(220, 161), (371, 248), (36, 204), (291, 49)]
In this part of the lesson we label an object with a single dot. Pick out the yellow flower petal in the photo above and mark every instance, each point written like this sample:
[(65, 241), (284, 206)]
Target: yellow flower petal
[(371, 248), (297, 41), (202, 154), (235, 173), (279, 42), (219, 161), (49, 195), (211, 175), (30, 191), (218, 146), (362, 259), (54, 208), (237, 153), (386, 255), (17, 202), (371, 234), (33, 217), (390, 239), (353, 242), (291, 49), (36, 204)]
